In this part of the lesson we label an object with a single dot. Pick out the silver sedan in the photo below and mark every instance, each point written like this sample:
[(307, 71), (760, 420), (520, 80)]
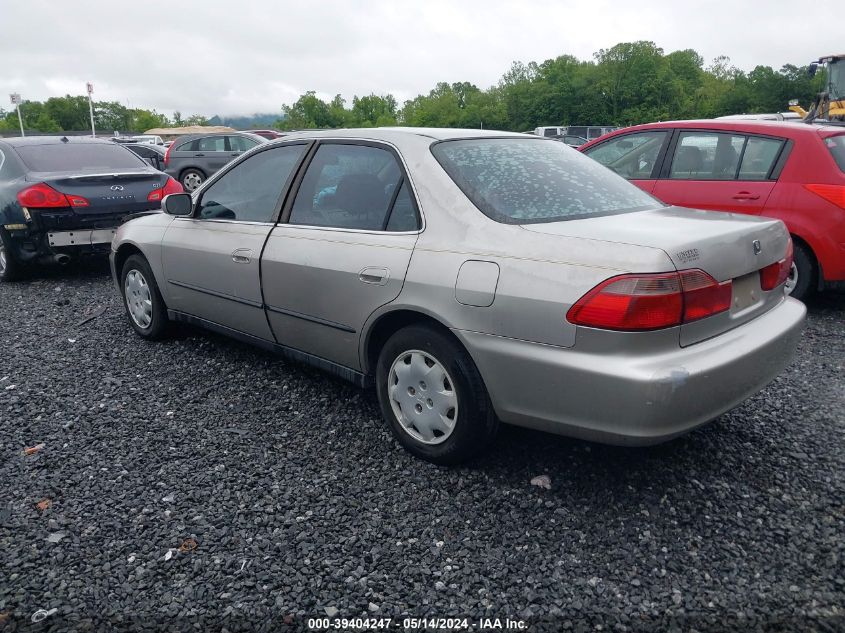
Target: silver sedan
[(473, 278)]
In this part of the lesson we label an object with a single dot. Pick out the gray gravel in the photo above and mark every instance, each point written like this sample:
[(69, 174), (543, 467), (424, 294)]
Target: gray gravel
[(289, 498)]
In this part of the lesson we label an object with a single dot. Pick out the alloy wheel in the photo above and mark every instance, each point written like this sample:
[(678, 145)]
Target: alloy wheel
[(423, 397), (2, 259), (138, 299)]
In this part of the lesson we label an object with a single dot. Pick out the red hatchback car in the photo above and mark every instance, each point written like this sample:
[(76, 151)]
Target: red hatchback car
[(790, 171)]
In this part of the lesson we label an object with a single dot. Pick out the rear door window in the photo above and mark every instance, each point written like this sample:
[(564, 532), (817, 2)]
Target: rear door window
[(633, 156), (212, 144), (759, 158), (77, 156), (706, 156), (241, 143), (354, 187)]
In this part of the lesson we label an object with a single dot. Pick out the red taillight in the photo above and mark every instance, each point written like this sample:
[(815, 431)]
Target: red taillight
[(703, 295), (167, 155), (831, 193), (652, 301), (171, 186), (43, 196), (775, 274)]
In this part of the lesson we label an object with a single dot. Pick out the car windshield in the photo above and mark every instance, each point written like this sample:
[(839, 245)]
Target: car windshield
[(836, 145), (521, 181), (77, 156)]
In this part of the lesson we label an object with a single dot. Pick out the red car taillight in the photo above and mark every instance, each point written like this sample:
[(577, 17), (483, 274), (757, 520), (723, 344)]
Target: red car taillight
[(831, 193), (171, 186), (167, 155), (43, 196), (651, 301), (775, 274)]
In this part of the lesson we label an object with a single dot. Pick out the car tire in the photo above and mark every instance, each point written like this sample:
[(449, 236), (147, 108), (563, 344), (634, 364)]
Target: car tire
[(433, 397), (191, 179), (144, 306), (803, 278), (10, 268)]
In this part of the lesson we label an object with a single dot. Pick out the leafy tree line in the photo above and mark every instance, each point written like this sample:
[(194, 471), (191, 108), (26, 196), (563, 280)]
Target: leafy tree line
[(630, 83), (70, 113)]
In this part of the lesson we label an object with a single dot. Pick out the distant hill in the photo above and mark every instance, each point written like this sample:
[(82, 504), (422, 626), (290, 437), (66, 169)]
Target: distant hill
[(246, 122)]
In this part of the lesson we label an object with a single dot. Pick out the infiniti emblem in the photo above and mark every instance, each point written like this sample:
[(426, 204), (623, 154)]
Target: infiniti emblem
[(116, 187), (758, 248)]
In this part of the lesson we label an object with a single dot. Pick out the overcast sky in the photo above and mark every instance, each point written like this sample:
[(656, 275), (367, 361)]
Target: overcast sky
[(243, 57)]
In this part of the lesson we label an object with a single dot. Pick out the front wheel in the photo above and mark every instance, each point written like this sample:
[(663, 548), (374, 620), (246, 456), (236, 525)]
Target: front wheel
[(142, 299), (802, 278), (433, 397)]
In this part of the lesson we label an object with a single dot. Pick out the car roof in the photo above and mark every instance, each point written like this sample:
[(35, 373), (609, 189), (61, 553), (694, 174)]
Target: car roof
[(788, 129), (759, 126), (391, 133), (20, 141)]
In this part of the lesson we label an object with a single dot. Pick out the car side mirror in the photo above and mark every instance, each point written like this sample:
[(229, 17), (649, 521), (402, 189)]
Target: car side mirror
[(178, 204)]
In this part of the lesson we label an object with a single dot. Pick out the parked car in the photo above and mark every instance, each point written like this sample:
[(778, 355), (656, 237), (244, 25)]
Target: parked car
[(589, 132), (194, 157), (473, 277), (268, 134), (62, 197), (569, 139), (146, 139), (153, 154), (781, 170)]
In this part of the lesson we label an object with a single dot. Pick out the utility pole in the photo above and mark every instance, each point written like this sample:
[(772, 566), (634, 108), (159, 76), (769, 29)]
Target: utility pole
[(16, 101), (90, 87)]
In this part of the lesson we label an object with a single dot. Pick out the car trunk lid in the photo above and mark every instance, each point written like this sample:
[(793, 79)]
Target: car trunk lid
[(726, 246), (107, 193)]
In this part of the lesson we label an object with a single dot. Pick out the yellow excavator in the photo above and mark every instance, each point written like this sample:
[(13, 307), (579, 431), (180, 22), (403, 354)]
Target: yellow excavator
[(829, 104)]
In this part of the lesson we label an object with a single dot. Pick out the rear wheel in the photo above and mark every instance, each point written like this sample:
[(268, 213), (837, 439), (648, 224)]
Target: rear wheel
[(802, 278), (142, 299), (10, 268), (192, 179), (433, 397)]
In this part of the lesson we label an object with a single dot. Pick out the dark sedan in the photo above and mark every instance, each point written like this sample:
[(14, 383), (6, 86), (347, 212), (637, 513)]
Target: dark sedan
[(62, 197), (153, 154)]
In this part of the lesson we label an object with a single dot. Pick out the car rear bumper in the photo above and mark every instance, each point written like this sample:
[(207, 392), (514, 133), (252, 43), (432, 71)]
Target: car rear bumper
[(634, 398)]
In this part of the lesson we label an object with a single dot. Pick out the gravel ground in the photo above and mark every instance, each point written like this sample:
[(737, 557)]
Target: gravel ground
[(199, 482)]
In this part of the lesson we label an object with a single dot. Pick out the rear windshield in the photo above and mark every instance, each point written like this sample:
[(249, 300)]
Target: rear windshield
[(836, 145), (521, 181), (77, 156)]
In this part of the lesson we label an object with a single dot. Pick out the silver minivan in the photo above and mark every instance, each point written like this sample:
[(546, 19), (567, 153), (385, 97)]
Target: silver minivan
[(191, 159)]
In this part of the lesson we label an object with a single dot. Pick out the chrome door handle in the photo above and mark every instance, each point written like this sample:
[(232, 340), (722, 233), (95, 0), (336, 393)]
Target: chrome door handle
[(374, 275), (242, 255)]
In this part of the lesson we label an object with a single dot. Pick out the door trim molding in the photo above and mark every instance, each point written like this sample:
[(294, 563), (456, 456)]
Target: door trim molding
[(214, 293), (312, 319)]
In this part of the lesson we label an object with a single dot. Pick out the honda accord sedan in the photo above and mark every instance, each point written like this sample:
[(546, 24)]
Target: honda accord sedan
[(472, 278)]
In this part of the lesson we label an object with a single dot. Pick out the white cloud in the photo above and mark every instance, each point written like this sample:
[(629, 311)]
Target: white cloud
[(252, 56)]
